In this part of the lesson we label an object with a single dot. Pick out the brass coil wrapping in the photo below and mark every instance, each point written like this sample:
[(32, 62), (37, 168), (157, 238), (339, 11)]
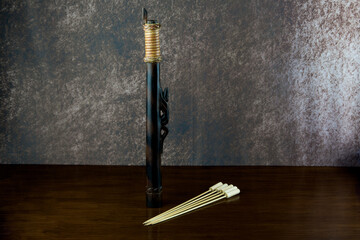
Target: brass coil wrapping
[(152, 43)]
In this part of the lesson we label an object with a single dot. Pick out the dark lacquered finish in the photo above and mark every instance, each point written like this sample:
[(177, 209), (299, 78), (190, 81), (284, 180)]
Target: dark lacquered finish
[(153, 125), (157, 117), (97, 202)]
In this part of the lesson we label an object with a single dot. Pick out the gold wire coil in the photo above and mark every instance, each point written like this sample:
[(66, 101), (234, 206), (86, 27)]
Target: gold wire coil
[(152, 43)]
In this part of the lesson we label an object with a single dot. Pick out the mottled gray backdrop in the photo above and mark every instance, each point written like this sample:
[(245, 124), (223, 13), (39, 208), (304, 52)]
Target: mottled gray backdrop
[(251, 82)]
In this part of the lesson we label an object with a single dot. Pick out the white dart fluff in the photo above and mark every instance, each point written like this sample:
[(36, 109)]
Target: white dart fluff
[(215, 193)]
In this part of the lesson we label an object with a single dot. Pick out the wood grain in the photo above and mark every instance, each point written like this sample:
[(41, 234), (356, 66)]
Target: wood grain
[(107, 202)]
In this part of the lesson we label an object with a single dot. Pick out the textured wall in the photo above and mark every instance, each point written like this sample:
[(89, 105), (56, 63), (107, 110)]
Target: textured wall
[(251, 82)]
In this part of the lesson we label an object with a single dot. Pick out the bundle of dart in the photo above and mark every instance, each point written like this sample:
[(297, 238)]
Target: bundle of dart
[(215, 193)]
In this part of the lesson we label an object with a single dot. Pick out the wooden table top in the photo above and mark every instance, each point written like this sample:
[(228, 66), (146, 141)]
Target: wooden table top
[(108, 202)]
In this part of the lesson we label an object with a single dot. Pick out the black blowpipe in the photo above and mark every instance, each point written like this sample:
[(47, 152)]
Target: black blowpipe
[(157, 113)]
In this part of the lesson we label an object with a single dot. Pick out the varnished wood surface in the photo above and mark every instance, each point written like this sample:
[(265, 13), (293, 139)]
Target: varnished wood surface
[(99, 202)]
